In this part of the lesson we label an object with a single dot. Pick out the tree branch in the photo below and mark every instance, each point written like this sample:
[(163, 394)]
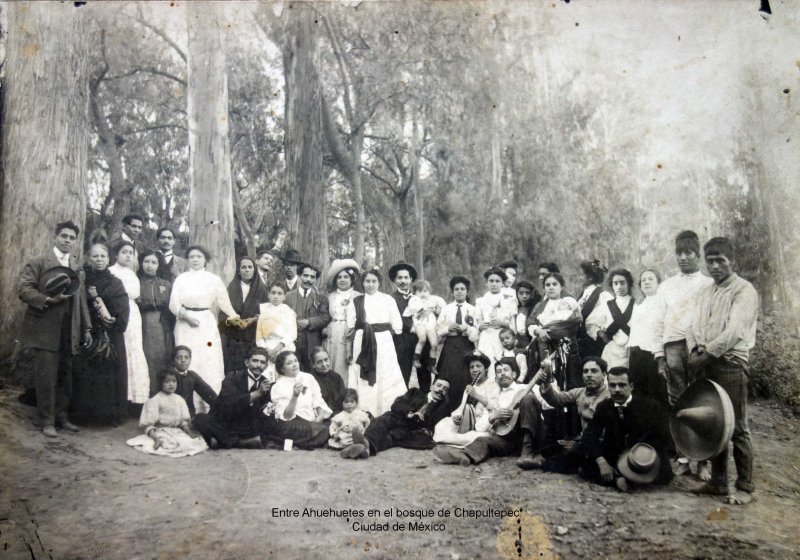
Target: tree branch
[(160, 33), (154, 71)]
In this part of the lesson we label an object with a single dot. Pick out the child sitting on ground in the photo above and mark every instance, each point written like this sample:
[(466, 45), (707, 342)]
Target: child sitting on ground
[(165, 422), (190, 382), (276, 329), (508, 339), (424, 308), (349, 419)]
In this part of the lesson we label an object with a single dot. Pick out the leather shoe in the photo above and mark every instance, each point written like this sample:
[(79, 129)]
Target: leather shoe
[(49, 431), (530, 462), (451, 455), (67, 425), (355, 451), (711, 489)]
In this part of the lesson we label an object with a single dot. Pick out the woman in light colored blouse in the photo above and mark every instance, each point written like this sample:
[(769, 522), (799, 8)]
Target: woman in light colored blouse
[(339, 344), (299, 407), (495, 310), (616, 319), (592, 303), (643, 342), (197, 295)]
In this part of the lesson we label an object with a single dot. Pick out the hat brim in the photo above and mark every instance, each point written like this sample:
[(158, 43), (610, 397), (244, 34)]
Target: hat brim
[(638, 477), (402, 266), (703, 441), (71, 289)]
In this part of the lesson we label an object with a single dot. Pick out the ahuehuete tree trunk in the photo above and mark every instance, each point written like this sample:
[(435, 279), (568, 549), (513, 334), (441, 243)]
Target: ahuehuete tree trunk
[(45, 141), (308, 232), (419, 214), (211, 205)]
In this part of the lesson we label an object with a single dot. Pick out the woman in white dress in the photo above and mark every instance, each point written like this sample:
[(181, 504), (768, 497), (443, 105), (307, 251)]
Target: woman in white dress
[(592, 303), (494, 310), (197, 296), (643, 343), (617, 312), (138, 372), (375, 372), (339, 344)]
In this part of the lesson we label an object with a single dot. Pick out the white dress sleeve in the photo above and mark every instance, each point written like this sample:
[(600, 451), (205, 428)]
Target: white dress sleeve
[(222, 299)]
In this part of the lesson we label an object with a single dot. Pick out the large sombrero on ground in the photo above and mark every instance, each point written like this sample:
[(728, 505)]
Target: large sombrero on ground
[(640, 463), (402, 265), (59, 280), (339, 265), (702, 420)]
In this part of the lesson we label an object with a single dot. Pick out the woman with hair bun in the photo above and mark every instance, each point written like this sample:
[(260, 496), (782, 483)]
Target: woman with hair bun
[(495, 310)]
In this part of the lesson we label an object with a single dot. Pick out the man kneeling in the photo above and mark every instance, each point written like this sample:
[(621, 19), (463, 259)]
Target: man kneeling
[(408, 424), (521, 437)]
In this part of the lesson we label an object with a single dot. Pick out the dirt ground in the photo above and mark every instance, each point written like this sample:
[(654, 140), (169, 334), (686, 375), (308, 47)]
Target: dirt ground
[(89, 495)]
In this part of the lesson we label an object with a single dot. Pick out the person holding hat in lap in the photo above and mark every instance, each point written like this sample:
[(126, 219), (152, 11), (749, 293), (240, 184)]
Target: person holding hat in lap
[(627, 439), (721, 336), (311, 308), (402, 275), (495, 310), (341, 285), (55, 323), (458, 330)]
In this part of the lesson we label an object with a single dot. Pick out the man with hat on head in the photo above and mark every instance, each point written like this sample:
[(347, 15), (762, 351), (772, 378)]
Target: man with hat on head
[(312, 312), (627, 439), (402, 275), (290, 259), (55, 323), (720, 337)]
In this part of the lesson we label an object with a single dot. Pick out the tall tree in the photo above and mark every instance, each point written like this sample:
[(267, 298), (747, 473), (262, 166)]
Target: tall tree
[(45, 140), (211, 210), (307, 228)]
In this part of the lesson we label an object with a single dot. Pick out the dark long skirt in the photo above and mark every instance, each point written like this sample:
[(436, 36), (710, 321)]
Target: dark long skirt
[(451, 367), (565, 420), (305, 434), (100, 386), (644, 375), (236, 346), (157, 343)]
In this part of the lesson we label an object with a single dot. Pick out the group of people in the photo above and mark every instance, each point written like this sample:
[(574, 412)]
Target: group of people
[(573, 384)]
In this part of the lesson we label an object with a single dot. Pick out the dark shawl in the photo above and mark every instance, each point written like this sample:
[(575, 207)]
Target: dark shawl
[(113, 294)]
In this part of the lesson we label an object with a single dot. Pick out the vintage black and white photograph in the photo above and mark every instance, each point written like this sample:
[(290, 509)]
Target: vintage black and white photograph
[(384, 279)]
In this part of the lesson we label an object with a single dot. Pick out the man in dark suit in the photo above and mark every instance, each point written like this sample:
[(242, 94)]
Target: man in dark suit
[(237, 413), (291, 261), (132, 227), (166, 242), (55, 323), (617, 425), (402, 275), (408, 424), (312, 312)]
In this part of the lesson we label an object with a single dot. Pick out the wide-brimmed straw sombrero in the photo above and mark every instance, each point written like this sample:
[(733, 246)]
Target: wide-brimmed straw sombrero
[(702, 420), (640, 463), (339, 265)]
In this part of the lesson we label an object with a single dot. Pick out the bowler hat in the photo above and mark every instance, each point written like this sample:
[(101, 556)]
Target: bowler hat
[(291, 257), (702, 420), (339, 265), (59, 280), (402, 265), (473, 355), (640, 463)]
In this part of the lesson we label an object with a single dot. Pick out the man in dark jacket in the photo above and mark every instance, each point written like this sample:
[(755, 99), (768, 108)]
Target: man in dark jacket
[(238, 412), (402, 275), (312, 312), (55, 323), (408, 424)]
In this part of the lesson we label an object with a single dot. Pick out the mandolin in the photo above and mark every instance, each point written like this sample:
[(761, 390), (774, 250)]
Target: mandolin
[(504, 427)]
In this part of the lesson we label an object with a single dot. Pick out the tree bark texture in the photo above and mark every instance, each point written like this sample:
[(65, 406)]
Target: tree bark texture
[(211, 211), (45, 140), (308, 232)]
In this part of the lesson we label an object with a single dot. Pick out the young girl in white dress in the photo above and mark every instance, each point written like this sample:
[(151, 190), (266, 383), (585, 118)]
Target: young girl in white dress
[(276, 329), (349, 419)]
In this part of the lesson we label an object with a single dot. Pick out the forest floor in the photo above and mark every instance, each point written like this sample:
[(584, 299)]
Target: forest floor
[(89, 495)]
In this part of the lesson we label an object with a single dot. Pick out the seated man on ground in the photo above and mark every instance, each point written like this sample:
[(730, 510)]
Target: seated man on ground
[(522, 436), (610, 440), (408, 424), (237, 414), (190, 382)]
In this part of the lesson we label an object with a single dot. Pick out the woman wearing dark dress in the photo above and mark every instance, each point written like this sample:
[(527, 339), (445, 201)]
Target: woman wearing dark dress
[(555, 318), (459, 331), (246, 292), (157, 321), (100, 373)]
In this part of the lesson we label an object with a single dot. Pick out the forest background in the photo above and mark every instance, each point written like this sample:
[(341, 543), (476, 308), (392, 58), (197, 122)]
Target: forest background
[(453, 135)]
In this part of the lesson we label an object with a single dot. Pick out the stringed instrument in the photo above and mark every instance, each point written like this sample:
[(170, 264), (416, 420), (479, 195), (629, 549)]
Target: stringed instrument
[(504, 427)]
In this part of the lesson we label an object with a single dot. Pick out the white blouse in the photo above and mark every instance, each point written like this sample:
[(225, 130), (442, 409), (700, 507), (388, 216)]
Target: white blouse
[(447, 318), (201, 290), (129, 280), (622, 302), (594, 322), (307, 402), (645, 324), (382, 308), (496, 306), (340, 305)]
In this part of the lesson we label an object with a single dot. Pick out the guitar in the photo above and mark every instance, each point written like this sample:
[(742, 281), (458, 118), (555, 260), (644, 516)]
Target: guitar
[(504, 427)]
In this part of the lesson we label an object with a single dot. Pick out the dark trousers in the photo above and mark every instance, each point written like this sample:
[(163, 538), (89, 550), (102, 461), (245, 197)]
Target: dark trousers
[(404, 345), (509, 444), (51, 372), (732, 376), (392, 430), (227, 433), (644, 375)]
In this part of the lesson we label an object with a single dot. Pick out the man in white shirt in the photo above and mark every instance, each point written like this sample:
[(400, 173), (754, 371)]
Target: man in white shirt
[(678, 298)]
